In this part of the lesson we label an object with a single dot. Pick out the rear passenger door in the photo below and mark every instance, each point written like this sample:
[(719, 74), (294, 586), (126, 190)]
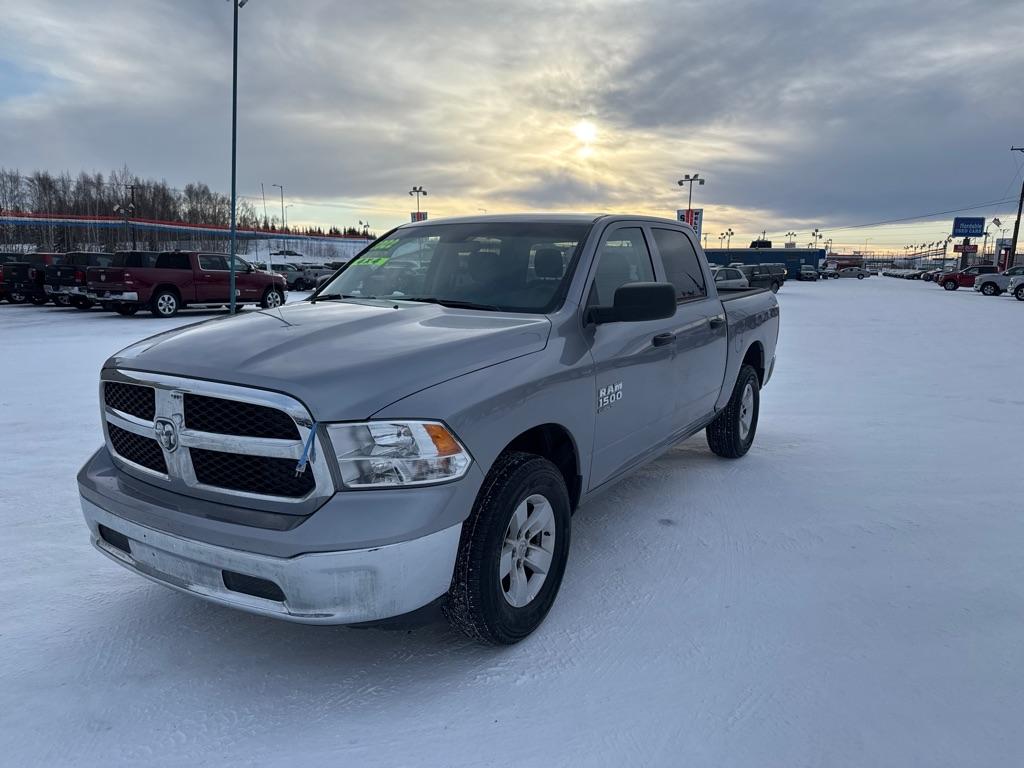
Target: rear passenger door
[(701, 342), (176, 269), (632, 361)]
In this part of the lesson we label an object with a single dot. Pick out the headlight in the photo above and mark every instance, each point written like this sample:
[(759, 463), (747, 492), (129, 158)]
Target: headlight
[(381, 454)]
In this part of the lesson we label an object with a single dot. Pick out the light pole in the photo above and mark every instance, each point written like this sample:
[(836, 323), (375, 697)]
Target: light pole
[(290, 205), (126, 211), (728, 237), (721, 239), (417, 191), (234, 145), (282, 202), (688, 179), (366, 227), (791, 237)]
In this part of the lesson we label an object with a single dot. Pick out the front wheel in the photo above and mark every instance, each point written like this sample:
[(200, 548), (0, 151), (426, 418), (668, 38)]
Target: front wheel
[(732, 432), (860, 277), (1019, 293), (950, 285), (165, 304), (990, 289), (513, 551), (17, 298), (775, 287), (272, 299)]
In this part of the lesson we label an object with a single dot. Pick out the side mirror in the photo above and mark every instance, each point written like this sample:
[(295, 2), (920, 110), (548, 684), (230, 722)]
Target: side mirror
[(637, 302)]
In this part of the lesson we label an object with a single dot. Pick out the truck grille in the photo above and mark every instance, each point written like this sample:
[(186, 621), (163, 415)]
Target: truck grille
[(139, 402), (232, 417), (137, 449), (251, 474), (215, 441)]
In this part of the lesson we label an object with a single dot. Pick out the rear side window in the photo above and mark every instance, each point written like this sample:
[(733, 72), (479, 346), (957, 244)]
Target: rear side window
[(682, 264), (623, 258), (173, 261)]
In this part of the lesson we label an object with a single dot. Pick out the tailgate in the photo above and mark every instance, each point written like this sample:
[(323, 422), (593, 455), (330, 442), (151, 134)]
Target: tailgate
[(105, 277)]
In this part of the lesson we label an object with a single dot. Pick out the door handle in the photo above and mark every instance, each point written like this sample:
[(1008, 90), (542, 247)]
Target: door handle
[(716, 322), (663, 338)]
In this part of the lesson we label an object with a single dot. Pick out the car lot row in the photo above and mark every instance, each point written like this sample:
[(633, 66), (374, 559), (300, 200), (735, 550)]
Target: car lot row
[(774, 275), (983, 278), (163, 282)]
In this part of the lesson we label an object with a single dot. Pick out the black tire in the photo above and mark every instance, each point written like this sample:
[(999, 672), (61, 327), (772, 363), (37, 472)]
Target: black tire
[(165, 303), (17, 298), (127, 310), (267, 301), (860, 277), (299, 285), (950, 285), (476, 604), (62, 301), (775, 287), (990, 289), (1019, 293), (724, 434)]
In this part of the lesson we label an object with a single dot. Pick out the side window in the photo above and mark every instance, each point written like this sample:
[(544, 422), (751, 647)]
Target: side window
[(623, 258), (209, 262), (173, 261), (682, 265)]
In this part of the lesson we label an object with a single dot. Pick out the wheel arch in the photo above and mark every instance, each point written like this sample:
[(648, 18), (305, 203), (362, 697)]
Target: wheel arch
[(555, 443), (754, 357)]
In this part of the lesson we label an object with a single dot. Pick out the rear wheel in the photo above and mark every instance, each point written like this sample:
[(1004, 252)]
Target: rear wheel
[(990, 289), (17, 298), (950, 285), (62, 301), (272, 299), (165, 304), (127, 310), (513, 551), (860, 277), (1019, 293), (732, 432)]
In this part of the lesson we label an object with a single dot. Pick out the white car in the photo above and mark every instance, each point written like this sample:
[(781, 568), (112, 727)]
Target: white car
[(1016, 287), (729, 278), (857, 272)]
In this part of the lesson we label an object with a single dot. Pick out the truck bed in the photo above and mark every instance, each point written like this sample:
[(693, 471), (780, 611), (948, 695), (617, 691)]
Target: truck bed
[(728, 294)]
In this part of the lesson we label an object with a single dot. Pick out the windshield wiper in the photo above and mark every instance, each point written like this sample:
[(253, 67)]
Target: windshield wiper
[(453, 303), (336, 296)]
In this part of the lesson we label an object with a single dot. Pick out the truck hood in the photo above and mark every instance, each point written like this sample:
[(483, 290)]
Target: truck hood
[(344, 360)]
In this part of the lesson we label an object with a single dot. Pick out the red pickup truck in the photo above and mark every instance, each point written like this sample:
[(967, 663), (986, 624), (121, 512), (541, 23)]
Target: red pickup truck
[(965, 277), (172, 280)]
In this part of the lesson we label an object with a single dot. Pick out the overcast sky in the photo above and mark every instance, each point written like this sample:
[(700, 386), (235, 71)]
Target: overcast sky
[(799, 114)]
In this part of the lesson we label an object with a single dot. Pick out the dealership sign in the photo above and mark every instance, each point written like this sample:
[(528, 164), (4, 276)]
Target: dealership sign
[(693, 216), (417, 215), (968, 248), (968, 226)]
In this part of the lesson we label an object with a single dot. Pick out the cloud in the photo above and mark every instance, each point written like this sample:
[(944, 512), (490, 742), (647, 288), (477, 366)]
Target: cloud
[(827, 112)]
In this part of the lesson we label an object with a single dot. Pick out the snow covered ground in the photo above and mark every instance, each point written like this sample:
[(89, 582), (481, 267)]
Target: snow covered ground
[(849, 594)]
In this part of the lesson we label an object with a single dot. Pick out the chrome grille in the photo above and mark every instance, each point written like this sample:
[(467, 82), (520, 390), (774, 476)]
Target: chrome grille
[(215, 441)]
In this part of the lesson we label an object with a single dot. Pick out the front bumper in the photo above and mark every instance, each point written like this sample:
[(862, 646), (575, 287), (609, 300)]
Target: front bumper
[(346, 587)]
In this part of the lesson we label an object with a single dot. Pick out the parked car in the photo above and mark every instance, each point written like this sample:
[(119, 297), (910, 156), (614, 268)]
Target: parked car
[(66, 282), (759, 276), (1016, 288), (807, 272), (965, 277), (827, 273), (25, 279), (170, 281), (730, 279), (294, 277), (357, 458), (778, 271), (5, 295), (995, 284), (858, 272)]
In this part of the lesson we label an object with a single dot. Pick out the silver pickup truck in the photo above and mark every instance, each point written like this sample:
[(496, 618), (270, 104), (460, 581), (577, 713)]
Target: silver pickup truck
[(422, 435)]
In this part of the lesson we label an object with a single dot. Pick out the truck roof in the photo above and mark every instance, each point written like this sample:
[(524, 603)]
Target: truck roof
[(546, 218)]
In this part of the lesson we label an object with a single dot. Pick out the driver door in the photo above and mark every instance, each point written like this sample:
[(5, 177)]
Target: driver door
[(633, 371)]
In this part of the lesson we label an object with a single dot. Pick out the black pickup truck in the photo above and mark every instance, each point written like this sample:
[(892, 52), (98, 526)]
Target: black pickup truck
[(66, 281), (25, 279), (5, 295)]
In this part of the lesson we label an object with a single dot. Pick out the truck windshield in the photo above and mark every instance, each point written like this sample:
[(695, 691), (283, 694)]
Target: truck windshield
[(506, 266)]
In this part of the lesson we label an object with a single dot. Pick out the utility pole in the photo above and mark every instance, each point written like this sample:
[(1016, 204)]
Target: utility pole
[(236, 4), (1012, 258)]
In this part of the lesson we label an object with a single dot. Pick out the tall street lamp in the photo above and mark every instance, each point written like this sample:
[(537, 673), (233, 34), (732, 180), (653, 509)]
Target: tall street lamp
[(721, 240), (234, 145), (282, 201), (417, 191), (728, 237), (688, 179)]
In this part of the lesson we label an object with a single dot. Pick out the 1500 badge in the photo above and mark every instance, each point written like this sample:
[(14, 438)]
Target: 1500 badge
[(609, 396)]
